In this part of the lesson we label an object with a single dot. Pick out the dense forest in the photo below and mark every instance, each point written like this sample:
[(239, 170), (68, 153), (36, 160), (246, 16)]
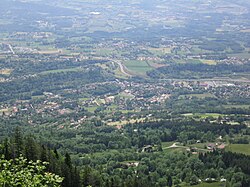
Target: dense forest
[(135, 155), (139, 93), (23, 150)]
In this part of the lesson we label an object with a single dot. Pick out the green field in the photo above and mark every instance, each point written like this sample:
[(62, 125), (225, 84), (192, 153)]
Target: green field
[(239, 148), (137, 67), (159, 51), (105, 51), (209, 62), (60, 71), (200, 96), (91, 109), (5, 71), (166, 144), (214, 184), (204, 115), (240, 55), (237, 106), (175, 150), (125, 95), (4, 110), (199, 145), (38, 97)]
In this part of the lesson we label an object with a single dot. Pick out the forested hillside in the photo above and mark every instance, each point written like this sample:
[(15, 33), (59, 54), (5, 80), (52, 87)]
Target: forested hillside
[(125, 93)]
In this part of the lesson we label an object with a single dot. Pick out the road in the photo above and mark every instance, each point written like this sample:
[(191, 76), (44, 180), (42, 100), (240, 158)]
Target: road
[(11, 49), (174, 145), (122, 68)]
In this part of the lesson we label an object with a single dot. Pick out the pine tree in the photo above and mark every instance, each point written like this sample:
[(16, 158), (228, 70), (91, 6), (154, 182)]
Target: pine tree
[(17, 148), (170, 182), (6, 149)]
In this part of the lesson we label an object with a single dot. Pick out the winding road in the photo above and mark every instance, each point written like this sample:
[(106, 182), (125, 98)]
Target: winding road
[(122, 68)]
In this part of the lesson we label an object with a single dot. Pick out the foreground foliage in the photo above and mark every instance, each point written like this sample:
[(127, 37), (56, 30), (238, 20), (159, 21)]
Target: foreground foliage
[(23, 173)]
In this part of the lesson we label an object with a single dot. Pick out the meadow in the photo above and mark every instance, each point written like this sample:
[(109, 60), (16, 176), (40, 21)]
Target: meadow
[(137, 67), (239, 148)]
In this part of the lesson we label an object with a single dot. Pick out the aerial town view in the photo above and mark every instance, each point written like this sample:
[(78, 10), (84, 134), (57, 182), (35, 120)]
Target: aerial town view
[(125, 93)]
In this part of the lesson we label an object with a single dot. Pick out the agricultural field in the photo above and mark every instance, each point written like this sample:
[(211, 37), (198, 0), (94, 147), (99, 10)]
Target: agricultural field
[(137, 67), (204, 115), (5, 71), (200, 96), (209, 62), (160, 51), (60, 71), (245, 55), (239, 148), (204, 184), (104, 51), (91, 109), (166, 144), (237, 106)]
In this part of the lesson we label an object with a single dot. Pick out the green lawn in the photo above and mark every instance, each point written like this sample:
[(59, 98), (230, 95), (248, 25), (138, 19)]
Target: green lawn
[(203, 115), (174, 150), (239, 148), (209, 62), (237, 106), (240, 55), (4, 110), (60, 71), (200, 96), (166, 144), (137, 67), (199, 145), (204, 184), (104, 51), (160, 51), (38, 97), (125, 95), (91, 109)]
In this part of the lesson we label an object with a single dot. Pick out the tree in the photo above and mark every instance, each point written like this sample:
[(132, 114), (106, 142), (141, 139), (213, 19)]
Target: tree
[(194, 180), (22, 173), (170, 182), (17, 143)]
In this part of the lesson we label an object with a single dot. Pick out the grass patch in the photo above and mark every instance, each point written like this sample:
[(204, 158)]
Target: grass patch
[(245, 31), (49, 52), (194, 61), (166, 144), (138, 67), (203, 115), (84, 99), (91, 109), (209, 62), (4, 110), (175, 150), (104, 51), (237, 106), (125, 95), (200, 96), (199, 145), (159, 51), (240, 55), (119, 74), (38, 97), (239, 148), (5, 71), (60, 71), (204, 184)]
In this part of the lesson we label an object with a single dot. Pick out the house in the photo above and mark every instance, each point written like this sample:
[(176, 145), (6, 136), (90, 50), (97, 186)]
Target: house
[(148, 148), (211, 146)]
